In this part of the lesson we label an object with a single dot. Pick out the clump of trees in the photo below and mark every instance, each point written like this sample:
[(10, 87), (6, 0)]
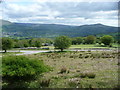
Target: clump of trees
[(77, 40), (90, 39), (107, 39), (84, 40), (34, 42), (62, 42), (8, 43)]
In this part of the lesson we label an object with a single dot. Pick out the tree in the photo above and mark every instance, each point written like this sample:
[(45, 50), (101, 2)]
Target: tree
[(107, 39), (90, 39), (7, 43), (77, 40), (62, 42), (38, 44), (19, 44), (98, 41), (25, 43), (35, 42)]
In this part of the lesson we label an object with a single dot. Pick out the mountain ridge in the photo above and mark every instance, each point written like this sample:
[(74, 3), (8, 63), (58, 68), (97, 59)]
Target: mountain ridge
[(53, 30), (1, 20)]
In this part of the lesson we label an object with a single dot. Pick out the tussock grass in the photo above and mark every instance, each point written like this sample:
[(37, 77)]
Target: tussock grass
[(101, 68), (88, 74)]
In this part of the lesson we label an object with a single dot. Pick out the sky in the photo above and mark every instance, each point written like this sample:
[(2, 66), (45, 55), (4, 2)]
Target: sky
[(67, 12)]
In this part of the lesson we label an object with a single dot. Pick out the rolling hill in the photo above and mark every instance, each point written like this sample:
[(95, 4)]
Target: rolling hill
[(52, 30)]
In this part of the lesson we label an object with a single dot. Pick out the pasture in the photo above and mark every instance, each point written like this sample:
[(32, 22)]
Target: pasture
[(78, 69)]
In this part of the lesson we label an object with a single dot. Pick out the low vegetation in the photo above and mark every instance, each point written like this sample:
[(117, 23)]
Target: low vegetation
[(79, 69), (88, 74), (70, 69), (17, 71)]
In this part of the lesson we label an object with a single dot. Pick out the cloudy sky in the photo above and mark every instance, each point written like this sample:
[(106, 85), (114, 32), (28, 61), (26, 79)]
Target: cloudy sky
[(68, 12)]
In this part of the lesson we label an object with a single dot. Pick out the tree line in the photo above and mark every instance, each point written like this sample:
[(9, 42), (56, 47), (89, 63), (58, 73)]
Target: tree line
[(61, 42)]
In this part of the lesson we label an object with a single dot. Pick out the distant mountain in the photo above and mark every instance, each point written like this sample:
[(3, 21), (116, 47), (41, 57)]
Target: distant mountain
[(53, 30), (4, 22)]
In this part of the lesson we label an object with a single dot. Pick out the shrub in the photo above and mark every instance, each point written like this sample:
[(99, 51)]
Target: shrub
[(78, 70), (55, 77), (88, 74), (63, 70), (83, 75), (21, 68), (74, 82), (44, 82), (91, 75), (87, 56), (71, 56)]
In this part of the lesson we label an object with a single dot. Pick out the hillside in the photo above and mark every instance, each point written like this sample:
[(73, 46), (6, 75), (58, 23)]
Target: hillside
[(53, 30), (4, 22)]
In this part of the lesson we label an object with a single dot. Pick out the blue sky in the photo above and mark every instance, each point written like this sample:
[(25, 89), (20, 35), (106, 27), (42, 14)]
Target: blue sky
[(71, 12)]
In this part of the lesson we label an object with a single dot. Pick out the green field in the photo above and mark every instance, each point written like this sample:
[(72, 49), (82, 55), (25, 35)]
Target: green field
[(87, 46), (9, 53), (84, 46)]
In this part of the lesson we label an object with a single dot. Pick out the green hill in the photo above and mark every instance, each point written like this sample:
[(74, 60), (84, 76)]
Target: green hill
[(53, 30)]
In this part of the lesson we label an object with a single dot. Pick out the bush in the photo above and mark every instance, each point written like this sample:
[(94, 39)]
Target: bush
[(21, 68), (44, 82), (83, 75), (74, 82), (63, 70), (91, 75), (88, 74)]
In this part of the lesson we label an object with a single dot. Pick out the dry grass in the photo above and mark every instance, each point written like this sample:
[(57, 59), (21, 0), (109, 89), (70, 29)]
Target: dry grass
[(101, 65)]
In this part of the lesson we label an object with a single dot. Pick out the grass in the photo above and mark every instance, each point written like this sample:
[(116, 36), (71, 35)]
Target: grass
[(8, 53), (68, 66), (78, 46), (82, 46), (102, 72), (85, 46), (91, 46)]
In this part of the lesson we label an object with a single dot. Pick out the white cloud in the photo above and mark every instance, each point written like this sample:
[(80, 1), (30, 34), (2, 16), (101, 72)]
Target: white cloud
[(105, 14), (77, 0), (61, 13), (61, 1), (22, 11)]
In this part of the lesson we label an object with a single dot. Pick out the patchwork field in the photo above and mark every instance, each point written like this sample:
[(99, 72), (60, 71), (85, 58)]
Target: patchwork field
[(78, 69)]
